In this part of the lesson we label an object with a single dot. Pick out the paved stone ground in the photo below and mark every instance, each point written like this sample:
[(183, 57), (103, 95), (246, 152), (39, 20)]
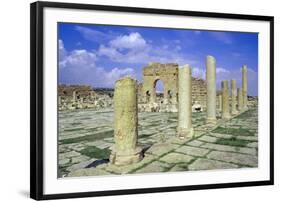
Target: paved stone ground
[(85, 138)]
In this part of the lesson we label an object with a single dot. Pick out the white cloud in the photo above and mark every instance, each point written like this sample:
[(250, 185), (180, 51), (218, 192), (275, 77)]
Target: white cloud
[(62, 51), (198, 72), (93, 35), (79, 67), (133, 48), (132, 41), (223, 37)]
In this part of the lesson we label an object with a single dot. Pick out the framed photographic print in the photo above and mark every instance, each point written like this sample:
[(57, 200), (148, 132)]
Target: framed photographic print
[(136, 100)]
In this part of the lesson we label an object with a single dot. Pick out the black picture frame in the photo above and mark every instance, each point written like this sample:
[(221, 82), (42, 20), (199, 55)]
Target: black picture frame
[(36, 99)]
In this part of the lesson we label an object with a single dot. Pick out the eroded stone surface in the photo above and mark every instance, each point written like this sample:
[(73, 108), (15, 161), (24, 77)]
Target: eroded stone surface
[(207, 164), (157, 135), (194, 151), (175, 158)]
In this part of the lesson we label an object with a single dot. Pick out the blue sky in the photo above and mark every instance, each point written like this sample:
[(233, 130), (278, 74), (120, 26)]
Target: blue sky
[(98, 55)]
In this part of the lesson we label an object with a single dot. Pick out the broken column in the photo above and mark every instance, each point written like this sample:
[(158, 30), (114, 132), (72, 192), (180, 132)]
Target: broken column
[(59, 101), (185, 102), (211, 89), (233, 97), (240, 100), (245, 87), (74, 96), (125, 123), (225, 100)]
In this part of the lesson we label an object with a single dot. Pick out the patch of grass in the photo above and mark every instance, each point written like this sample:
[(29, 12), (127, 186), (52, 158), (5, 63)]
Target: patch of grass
[(233, 141), (95, 152), (244, 115), (144, 136), (73, 129), (233, 131), (88, 138), (201, 119)]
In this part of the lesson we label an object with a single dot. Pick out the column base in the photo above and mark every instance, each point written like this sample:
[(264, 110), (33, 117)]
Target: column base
[(211, 121), (245, 108), (235, 112), (184, 133), (226, 116), (126, 157)]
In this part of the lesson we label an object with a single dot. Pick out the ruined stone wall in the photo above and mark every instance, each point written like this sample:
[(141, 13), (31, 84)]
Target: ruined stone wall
[(167, 73), (81, 97), (199, 92), (81, 90)]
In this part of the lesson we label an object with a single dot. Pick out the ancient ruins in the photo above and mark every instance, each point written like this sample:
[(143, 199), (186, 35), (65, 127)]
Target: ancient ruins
[(177, 98), (169, 75), (196, 127), (81, 97)]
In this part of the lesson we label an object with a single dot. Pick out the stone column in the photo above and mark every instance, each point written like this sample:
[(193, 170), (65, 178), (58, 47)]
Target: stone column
[(211, 89), (220, 102), (59, 100), (245, 87), (74, 96), (225, 100), (125, 123), (185, 102), (233, 97), (240, 100)]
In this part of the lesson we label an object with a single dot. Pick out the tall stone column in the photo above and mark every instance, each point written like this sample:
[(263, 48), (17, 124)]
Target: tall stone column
[(245, 87), (233, 97), (225, 100), (125, 123), (185, 102), (211, 89), (74, 96), (240, 100)]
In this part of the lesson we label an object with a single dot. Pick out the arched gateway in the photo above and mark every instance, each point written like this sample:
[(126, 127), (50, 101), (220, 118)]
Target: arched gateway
[(168, 74)]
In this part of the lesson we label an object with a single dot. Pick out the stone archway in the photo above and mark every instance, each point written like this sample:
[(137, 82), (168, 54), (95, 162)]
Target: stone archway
[(158, 86), (168, 74)]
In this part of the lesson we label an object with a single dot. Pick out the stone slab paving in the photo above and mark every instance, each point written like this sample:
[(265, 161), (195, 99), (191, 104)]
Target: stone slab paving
[(86, 138)]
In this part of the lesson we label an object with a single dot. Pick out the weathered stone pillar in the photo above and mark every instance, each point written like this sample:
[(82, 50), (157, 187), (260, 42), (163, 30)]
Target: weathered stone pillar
[(185, 102), (233, 97), (211, 89), (240, 100), (74, 96), (92, 96), (220, 102), (245, 87), (59, 100), (125, 123), (225, 100)]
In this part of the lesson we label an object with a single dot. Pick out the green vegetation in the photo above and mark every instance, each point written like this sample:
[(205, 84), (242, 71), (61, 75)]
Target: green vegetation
[(73, 129), (94, 152), (233, 141), (88, 138), (244, 115), (233, 131)]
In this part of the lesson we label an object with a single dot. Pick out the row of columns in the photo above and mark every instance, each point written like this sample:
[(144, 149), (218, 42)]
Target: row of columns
[(224, 97), (126, 150)]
